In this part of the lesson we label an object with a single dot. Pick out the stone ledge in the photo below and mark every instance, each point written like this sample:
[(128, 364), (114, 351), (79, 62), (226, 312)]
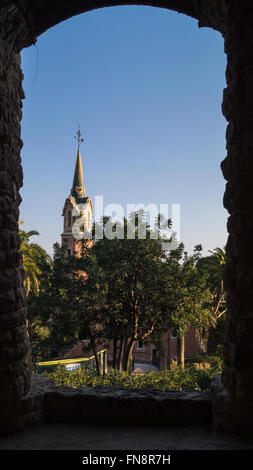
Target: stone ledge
[(117, 405), (110, 405)]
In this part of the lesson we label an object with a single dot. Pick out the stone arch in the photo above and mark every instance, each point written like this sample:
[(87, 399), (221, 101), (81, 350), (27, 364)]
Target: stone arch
[(22, 21)]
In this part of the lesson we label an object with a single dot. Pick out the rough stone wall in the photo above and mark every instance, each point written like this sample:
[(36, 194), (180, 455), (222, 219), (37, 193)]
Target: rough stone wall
[(233, 401), (27, 19), (14, 363)]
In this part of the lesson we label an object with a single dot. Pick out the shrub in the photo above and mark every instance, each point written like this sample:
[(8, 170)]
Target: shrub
[(205, 361), (190, 379)]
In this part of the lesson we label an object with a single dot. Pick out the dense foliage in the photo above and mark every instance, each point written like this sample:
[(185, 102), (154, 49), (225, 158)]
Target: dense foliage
[(212, 267), (33, 256), (121, 290), (195, 377)]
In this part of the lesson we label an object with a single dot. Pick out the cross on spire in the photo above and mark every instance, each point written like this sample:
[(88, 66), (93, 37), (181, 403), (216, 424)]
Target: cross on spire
[(78, 137)]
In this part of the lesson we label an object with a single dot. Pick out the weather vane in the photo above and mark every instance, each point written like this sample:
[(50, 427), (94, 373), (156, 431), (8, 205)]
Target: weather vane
[(78, 137)]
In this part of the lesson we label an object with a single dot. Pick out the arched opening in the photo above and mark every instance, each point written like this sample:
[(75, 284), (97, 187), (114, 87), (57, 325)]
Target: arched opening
[(154, 154), (237, 375)]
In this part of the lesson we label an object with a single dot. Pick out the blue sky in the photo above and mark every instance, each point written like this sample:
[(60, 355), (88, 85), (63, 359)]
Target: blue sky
[(145, 85)]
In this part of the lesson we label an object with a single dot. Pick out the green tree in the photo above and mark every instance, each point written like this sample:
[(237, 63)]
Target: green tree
[(35, 259), (89, 293), (52, 311), (121, 289), (33, 256), (69, 305), (212, 267), (135, 274), (189, 296)]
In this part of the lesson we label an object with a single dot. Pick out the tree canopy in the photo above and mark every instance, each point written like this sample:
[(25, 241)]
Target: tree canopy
[(119, 290), (34, 256)]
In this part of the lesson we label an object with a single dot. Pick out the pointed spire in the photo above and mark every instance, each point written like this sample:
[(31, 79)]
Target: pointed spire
[(78, 189)]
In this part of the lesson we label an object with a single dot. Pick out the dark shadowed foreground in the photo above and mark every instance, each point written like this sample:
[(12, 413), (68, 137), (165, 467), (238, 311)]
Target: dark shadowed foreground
[(80, 437)]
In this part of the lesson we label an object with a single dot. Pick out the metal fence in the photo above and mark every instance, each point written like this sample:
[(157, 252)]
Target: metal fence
[(76, 363)]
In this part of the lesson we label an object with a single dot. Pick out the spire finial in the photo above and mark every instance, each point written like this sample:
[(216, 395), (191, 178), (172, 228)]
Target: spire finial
[(78, 137), (78, 189)]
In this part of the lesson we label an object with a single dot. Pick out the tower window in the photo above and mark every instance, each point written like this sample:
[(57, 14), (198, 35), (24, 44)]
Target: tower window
[(69, 218)]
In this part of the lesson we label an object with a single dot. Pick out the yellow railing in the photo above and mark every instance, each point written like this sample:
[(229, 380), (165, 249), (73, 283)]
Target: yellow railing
[(90, 362), (68, 361)]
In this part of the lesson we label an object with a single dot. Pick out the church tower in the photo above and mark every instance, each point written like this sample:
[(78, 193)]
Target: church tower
[(77, 212)]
